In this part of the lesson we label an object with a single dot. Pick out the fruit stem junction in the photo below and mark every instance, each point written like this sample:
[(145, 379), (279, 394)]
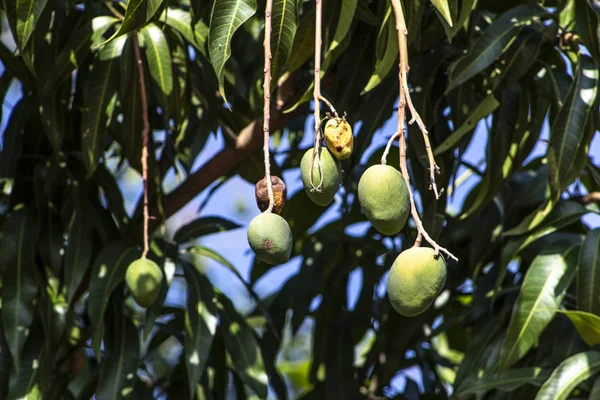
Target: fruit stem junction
[(267, 102), (146, 134), (403, 102)]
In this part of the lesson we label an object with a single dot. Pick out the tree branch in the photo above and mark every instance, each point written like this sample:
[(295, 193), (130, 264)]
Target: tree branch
[(403, 102), (267, 103)]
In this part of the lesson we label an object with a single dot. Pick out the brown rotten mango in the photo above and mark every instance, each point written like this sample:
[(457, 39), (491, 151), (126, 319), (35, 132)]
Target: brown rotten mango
[(416, 279), (261, 193), (384, 198), (339, 138)]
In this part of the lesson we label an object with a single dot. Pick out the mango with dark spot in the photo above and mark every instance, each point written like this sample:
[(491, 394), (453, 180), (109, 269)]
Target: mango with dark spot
[(339, 138), (261, 193), (416, 279), (144, 279), (270, 237)]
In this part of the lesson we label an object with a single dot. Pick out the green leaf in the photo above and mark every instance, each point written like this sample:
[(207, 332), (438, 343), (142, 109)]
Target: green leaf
[(76, 50), (19, 288), (159, 64), (506, 381), (485, 108), (22, 16), (107, 272), (24, 385), (567, 133), (284, 25), (586, 22), (243, 347), (137, 14), (344, 22), (119, 368), (494, 41), (5, 364), (570, 373), (588, 325), (304, 43), (227, 16), (201, 324), (196, 34), (588, 274), (99, 104), (549, 218), (595, 5), (78, 252), (203, 226), (444, 10), (386, 51), (543, 288)]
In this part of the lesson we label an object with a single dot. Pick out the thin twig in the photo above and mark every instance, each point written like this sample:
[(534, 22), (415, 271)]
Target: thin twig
[(388, 147), (331, 107), (317, 99), (402, 103), (146, 134), (113, 10), (267, 102)]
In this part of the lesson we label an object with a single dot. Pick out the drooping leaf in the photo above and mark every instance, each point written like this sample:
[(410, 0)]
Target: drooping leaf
[(159, 64), (196, 34), (243, 347), (508, 380), (107, 272), (485, 108), (201, 325), (543, 288), (78, 252), (284, 25), (568, 137), (386, 51), (548, 217), (23, 16), (119, 368), (588, 273), (344, 22), (570, 373), (19, 288), (76, 49), (137, 14), (25, 384), (203, 226), (588, 325), (494, 41), (587, 24), (99, 104), (444, 9), (227, 16)]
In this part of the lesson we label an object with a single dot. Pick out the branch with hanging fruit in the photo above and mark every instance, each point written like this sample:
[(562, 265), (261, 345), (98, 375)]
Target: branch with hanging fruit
[(418, 274)]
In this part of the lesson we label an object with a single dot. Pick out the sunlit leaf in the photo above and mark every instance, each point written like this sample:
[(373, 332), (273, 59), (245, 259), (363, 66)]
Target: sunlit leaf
[(284, 24), (137, 14), (588, 325), (570, 373), (196, 34), (386, 51), (508, 380), (159, 64), (444, 10), (22, 16)]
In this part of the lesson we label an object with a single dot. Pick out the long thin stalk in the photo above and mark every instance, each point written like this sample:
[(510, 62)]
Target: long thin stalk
[(317, 98), (267, 102)]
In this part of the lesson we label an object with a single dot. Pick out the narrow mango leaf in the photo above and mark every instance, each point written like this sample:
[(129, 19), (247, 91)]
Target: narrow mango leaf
[(466, 9), (19, 288), (586, 22), (180, 20), (201, 325), (25, 384), (5, 364), (78, 252), (227, 16), (588, 274), (203, 226), (485, 108), (107, 272), (119, 369), (506, 381), (243, 347), (137, 14), (284, 25), (386, 51), (543, 288), (549, 217), (159, 64), (344, 22), (304, 43), (567, 133), (22, 16), (444, 9), (76, 49), (494, 41), (570, 373), (588, 325), (99, 104)]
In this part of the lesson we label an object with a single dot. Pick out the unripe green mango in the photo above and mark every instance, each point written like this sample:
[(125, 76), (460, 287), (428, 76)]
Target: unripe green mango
[(144, 279), (383, 196), (332, 176), (270, 238), (415, 280)]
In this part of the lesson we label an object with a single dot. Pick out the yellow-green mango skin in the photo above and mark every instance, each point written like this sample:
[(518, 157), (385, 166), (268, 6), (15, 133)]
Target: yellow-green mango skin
[(144, 279), (383, 196), (332, 176), (415, 280), (270, 238)]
